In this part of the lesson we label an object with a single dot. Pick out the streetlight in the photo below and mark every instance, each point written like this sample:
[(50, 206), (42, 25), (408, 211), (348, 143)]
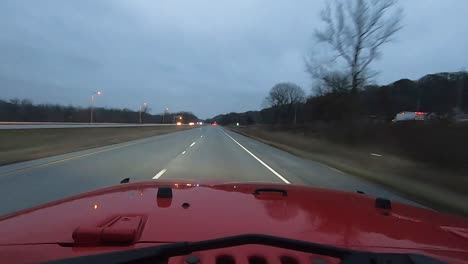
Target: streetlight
[(179, 117), (141, 109), (164, 114), (92, 104)]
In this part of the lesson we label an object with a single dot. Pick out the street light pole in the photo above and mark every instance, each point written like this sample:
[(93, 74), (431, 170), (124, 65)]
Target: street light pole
[(141, 109), (91, 119), (91, 109), (164, 114), (174, 119), (140, 114)]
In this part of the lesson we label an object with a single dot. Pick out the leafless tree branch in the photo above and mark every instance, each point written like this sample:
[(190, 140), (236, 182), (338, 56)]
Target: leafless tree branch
[(355, 31)]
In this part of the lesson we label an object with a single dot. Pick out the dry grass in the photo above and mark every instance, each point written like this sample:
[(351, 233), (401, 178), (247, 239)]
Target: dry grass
[(18, 145), (433, 187)]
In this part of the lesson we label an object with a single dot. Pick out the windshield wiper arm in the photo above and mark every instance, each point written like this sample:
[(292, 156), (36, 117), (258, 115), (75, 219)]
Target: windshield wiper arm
[(161, 254)]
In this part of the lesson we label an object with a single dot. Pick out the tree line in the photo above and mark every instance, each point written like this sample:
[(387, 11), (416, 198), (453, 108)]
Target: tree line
[(16, 110), (339, 64), (441, 93)]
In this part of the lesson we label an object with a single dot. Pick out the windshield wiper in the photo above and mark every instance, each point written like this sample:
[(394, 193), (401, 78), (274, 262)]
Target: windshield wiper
[(161, 254)]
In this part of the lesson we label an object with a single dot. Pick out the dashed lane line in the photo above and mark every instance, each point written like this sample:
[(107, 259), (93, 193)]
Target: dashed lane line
[(159, 174)]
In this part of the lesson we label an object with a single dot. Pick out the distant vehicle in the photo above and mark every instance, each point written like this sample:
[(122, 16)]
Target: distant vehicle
[(189, 222), (410, 116), (214, 124), (191, 123), (179, 123), (461, 118)]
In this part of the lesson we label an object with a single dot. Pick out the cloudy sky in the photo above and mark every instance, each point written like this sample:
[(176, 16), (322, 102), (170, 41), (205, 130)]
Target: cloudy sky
[(209, 57)]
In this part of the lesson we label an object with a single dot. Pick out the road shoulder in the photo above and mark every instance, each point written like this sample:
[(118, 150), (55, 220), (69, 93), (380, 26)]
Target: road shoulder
[(421, 192)]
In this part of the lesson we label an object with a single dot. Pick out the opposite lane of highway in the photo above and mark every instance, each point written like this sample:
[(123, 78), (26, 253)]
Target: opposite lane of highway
[(204, 153)]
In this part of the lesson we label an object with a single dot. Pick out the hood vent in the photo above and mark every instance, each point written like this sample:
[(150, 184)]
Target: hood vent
[(225, 259), (120, 230), (257, 260)]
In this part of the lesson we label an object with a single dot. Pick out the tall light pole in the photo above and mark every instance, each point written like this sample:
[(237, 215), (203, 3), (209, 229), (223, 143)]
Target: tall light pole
[(141, 109), (179, 118), (92, 105), (164, 114)]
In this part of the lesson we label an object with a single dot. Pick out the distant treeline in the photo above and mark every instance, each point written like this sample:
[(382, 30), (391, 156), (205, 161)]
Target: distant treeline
[(16, 110), (441, 93)]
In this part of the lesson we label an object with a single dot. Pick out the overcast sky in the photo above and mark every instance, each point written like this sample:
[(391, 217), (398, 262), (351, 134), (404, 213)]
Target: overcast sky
[(209, 57)]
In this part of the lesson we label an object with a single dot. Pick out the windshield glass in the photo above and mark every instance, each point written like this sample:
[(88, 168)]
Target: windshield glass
[(365, 97)]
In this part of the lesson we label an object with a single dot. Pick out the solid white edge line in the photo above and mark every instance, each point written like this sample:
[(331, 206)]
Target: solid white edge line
[(377, 155), (335, 170), (259, 160), (184, 152), (191, 145), (159, 174)]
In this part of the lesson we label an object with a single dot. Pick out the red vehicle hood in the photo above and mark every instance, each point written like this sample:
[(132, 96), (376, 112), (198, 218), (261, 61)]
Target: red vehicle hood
[(199, 211)]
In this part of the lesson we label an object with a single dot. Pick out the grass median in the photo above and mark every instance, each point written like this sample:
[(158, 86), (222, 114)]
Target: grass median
[(419, 182), (18, 145)]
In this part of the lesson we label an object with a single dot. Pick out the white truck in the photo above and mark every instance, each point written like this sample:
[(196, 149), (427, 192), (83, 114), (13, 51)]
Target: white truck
[(410, 116)]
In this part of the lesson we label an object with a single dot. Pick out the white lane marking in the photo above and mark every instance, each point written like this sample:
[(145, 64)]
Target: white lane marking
[(201, 136), (159, 174), (375, 154), (191, 145), (259, 160), (184, 152), (335, 170)]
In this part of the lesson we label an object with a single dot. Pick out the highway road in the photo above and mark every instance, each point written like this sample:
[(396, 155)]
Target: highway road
[(201, 153), (38, 125)]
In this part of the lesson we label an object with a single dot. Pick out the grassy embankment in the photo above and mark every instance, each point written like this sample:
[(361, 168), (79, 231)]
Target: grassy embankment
[(429, 171), (18, 145)]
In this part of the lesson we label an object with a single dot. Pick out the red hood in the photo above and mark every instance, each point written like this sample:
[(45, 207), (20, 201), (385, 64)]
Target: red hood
[(217, 210)]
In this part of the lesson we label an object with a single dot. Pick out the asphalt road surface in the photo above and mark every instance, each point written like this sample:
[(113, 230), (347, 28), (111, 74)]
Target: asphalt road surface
[(197, 154)]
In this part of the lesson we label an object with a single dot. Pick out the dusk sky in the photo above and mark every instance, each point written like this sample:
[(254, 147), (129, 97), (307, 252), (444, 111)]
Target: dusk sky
[(208, 57)]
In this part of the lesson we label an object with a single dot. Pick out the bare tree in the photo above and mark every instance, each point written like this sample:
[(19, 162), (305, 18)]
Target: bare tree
[(283, 94), (332, 82), (355, 31)]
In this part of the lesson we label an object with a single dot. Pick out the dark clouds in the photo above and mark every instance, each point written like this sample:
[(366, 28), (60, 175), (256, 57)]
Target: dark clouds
[(209, 57)]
